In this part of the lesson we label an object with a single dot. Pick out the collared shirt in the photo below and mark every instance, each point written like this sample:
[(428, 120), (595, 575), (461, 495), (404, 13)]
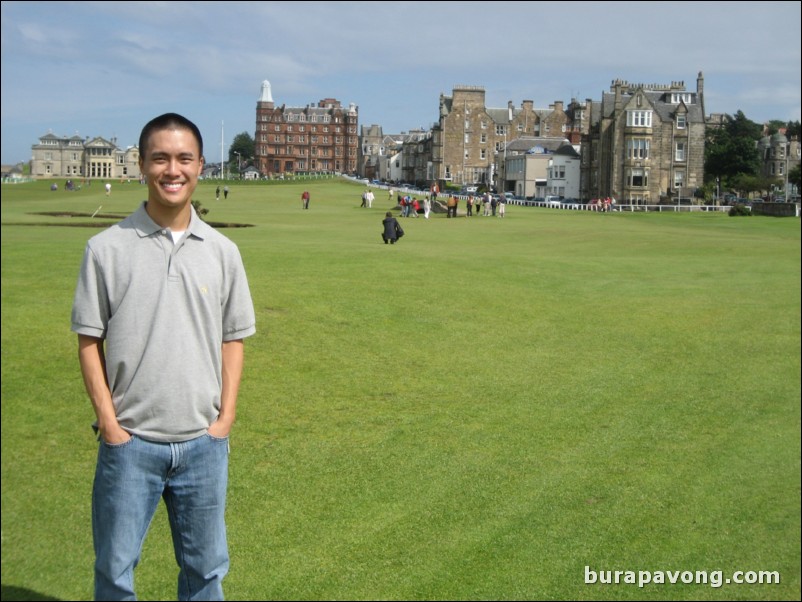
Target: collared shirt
[(164, 311)]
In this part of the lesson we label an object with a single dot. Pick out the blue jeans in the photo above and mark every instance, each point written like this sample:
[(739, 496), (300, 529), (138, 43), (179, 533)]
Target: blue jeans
[(192, 478)]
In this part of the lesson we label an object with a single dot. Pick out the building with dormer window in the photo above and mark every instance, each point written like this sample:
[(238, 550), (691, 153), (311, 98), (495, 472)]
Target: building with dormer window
[(317, 138), (645, 143)]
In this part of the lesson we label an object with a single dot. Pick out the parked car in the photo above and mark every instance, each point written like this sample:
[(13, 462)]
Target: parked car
[(553, 201)]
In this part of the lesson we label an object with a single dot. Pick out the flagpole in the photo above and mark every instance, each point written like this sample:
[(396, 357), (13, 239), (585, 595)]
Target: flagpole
[(222, 153)]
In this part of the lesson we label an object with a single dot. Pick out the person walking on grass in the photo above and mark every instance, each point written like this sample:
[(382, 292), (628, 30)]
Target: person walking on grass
[(161, 308)]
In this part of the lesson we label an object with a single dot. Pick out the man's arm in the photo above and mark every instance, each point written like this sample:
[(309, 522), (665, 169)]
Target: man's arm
[(93, 368), (233, 360)]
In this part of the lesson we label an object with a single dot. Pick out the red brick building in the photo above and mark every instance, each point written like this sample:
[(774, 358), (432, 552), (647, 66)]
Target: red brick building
[(317, 138)]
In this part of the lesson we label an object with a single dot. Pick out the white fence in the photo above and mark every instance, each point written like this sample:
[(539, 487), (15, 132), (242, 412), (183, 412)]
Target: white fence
[(620, 207)]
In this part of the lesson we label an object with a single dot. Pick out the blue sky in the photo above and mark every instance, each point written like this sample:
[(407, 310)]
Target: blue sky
[(106, 68)]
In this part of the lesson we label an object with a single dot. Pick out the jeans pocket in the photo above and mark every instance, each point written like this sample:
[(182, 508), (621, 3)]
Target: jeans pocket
[(108, 445)]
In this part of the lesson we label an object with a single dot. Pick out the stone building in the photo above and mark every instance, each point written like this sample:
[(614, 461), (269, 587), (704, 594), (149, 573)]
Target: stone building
[(75, 157), (317, 138), (645, 143), (371, 150), (467, 139), (778, 157)]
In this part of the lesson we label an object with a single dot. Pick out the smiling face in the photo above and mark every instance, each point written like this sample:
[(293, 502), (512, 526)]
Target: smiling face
[(172, 162)]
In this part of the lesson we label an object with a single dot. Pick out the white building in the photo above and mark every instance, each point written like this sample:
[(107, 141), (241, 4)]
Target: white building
[(564, 174)]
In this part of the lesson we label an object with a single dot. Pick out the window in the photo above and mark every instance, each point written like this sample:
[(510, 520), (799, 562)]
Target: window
[(467, 138), (677, 97), (638, 178), (681, 117), (639, 119), (679, 178), (483, 154), (638, 148), (679, 152)]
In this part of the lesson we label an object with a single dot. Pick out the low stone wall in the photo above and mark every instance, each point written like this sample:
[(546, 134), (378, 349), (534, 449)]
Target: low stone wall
[(775, 209)]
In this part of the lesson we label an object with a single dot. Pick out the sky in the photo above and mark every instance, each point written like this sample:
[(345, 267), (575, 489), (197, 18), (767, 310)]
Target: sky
[(106, 68)]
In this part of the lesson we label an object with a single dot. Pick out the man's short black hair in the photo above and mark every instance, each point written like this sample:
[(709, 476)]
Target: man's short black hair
[(166, 122)]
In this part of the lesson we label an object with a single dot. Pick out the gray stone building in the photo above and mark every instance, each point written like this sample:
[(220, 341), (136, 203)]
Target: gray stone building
[(469, 136), (75, 157), (779, 156), (645, 143)]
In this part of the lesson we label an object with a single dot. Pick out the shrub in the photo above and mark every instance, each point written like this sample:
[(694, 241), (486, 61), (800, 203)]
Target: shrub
[(740, 209)]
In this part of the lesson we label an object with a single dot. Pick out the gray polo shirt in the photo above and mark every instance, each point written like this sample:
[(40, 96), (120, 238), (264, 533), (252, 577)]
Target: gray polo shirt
[(164, 311)]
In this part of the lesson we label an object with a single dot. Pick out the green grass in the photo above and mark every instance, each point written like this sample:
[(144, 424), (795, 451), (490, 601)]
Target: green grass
[(478, 412)]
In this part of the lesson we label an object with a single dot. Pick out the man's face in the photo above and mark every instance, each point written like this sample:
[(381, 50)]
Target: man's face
[(172, 164)]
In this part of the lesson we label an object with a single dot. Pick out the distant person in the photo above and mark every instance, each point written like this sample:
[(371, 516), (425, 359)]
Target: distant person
[(225, 192), (161, 355), (108, 188), (305, 199), (217, 193), (451, 206), (392, 229)]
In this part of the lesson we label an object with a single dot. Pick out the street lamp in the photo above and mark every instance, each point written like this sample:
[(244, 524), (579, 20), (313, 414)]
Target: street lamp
[(239, 163)]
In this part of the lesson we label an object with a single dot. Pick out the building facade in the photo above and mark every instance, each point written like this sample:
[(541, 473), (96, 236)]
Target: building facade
[(469, 137), (778, 156), (524, 165), (75, 157), (317, 138), (645, 143)]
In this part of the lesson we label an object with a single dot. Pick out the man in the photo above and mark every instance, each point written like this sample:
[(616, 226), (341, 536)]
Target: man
[(392, 230), (161, 307)]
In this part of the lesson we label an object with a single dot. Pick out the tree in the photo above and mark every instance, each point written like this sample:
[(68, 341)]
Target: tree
[(795, 177), (243, 145), (774, 126), (731, 150)]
